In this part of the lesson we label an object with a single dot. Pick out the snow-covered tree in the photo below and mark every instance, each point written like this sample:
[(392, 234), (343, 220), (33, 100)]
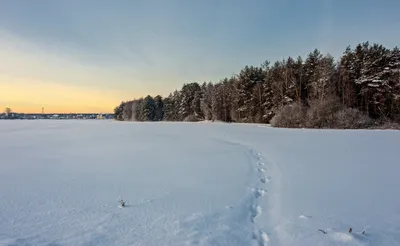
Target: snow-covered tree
[(206, 100), (366, 78), (246, 101), (158, 108), (189, 102), (148, 109)]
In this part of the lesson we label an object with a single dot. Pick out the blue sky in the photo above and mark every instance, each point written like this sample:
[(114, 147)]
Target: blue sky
[(117, 50)]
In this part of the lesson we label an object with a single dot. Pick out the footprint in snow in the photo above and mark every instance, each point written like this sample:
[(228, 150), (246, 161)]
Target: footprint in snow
[(260, 192), (265, 179), (261, 163), (264, 238), (261, 170), (255, 211), (261, 237)]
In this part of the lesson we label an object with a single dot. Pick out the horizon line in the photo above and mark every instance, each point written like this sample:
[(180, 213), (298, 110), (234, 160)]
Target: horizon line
[(59, 113)]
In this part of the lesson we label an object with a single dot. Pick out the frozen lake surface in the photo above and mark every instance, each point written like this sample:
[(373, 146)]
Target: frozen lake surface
[(196, 184)]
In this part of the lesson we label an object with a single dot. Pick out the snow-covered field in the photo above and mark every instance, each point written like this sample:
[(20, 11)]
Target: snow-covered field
[(196, 184)]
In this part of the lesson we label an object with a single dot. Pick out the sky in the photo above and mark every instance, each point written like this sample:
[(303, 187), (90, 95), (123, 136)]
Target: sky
[(88, 56)]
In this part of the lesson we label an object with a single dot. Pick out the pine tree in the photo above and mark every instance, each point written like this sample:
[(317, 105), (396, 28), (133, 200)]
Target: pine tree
[(226, 91), (346, 75), (148, 109), (158, 108), (196, 104), (127, 112), (234, 102), (313, 74), (190, 103), (168, 108), (374, 79), (217, 102), (322, 86), (205, 103), (118, 111), (138, 110), (267, 95), (275, 80), (176, 99), (247, 103)]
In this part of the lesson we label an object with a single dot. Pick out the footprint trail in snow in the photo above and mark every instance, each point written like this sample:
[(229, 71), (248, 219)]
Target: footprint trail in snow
[(256, 209)]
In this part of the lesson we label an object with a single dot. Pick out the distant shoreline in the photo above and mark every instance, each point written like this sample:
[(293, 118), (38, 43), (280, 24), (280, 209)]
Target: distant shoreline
[(69, 116)]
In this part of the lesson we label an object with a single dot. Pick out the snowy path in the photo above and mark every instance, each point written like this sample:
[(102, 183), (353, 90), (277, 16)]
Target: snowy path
[(226, 227), (195, 184), (328, 180)]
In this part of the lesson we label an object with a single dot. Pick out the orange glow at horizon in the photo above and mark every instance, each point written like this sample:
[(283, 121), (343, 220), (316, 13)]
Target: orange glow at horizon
[(25, 95)]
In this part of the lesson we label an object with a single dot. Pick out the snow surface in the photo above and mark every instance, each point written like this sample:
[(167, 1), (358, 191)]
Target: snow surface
[(196, 184)]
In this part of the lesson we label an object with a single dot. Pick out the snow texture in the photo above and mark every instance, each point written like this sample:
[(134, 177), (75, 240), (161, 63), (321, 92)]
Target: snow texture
[(196, 184)]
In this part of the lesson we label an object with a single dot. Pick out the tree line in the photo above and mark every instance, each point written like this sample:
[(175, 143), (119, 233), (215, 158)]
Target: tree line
[(363, 85)]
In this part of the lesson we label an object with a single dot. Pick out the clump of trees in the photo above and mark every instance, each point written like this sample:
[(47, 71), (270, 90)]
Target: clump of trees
[(8, 111), (8, 114), (360, 90)]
